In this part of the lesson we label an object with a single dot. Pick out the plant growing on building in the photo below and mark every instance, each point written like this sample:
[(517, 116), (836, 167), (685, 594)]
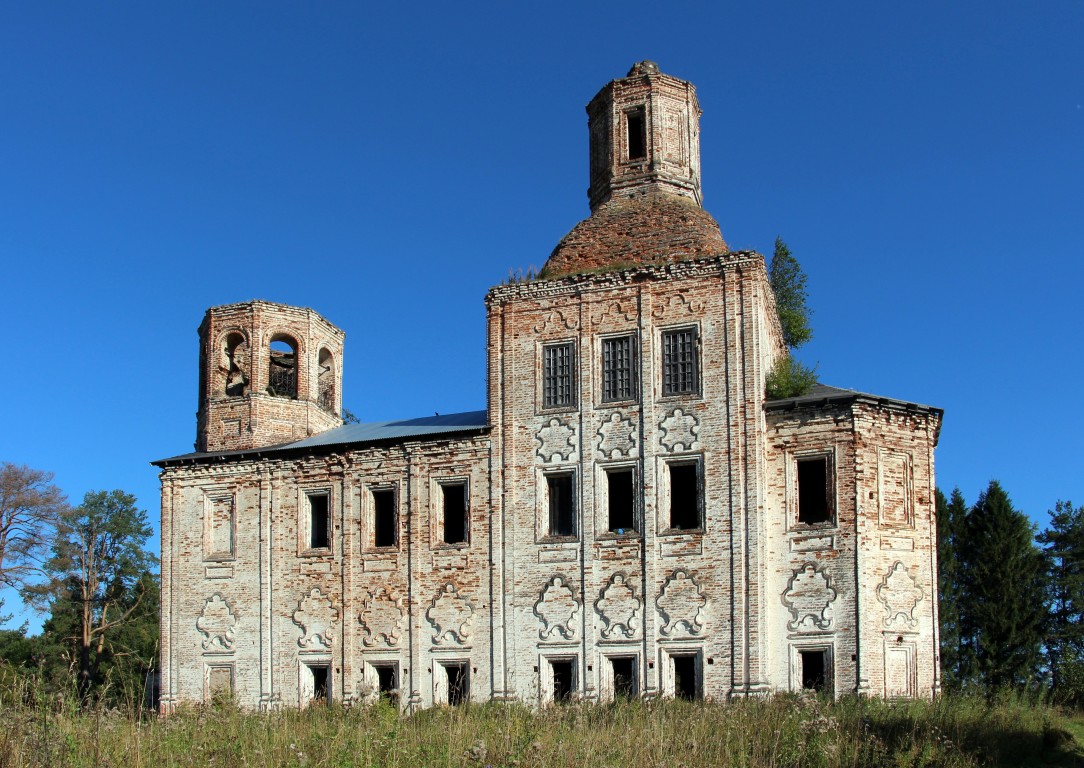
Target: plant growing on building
[(788, 376)]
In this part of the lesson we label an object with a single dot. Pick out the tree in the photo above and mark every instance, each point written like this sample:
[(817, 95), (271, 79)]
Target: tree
[(1002, 600), (789, 377), (1063, 543), (788, 283), (30, 506), (950, 518), (96, 577)]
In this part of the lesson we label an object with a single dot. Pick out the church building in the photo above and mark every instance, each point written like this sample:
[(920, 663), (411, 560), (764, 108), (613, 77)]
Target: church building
[(630, 516)]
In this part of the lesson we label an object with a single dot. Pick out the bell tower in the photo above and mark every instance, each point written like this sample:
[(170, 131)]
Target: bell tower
[(645, 137), (269, 374)]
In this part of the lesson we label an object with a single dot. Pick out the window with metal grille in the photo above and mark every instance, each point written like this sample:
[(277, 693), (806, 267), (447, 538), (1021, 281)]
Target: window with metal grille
[(618, 369), (680, 366), (557, 378)]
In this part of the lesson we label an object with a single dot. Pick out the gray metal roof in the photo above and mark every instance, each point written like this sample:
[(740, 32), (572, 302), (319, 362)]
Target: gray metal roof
[(824, 394), (355, 434)]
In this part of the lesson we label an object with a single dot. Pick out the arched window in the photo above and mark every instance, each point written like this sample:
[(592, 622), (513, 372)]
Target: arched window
[(325, 380), (235, 364), (282, 367)]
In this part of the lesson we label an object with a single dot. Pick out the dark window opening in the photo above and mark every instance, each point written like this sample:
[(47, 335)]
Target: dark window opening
[(685, 674), (621, 500), (563, 679), (813, 495), (680, 367), (557, 378), (637, 135), (455, 513), (387, 685), (458, 684), (684, 496), (624, 671), (813, 670), (325, 381), (319, 521), (618, 369), (237, 365), (562, 505), (321, 683), (385, 523), (282, 368)]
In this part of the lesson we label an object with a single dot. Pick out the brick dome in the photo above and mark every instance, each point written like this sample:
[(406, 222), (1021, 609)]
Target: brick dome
[(651, 229)]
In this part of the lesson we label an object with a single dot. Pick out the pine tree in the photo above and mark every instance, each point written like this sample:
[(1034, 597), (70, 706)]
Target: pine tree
[(950, 517), (1063, 543), (1002, 600)]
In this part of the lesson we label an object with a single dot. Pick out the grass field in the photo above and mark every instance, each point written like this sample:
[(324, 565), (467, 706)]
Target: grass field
[(778, 731)]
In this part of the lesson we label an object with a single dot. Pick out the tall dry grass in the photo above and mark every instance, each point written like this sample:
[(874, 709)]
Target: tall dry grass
[(778, 731)]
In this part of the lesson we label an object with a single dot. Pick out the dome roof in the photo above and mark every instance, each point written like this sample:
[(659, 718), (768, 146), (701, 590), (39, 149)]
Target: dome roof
[(648, 229)]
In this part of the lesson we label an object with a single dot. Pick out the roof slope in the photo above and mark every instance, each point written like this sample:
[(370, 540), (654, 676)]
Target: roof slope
[(357, 434)]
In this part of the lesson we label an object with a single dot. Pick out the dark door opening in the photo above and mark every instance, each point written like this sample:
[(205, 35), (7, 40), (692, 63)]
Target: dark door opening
[(624, 670), (813, 670), (563, 680), (685, 677)]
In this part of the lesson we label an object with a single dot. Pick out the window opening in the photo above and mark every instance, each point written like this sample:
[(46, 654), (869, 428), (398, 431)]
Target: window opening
[(685, 674), (564, 682), (557, 378), (562, 505), (319, 521), (325, 381), (458, 684), (621, 501), (385, 523), (624, 671), (321, 682), (680, 368), (684, 496), (813, 504), (455, 513), (813, 670), (282, 368), (236, 367), (618, 369), (387, 684), (637, 135)]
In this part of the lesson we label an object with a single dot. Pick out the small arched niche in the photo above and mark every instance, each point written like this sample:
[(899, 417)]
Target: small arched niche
[(282, 366), (235, 364), (325, 379)]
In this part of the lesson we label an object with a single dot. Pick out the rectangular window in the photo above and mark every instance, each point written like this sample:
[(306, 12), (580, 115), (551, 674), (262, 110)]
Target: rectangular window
[(636, 125), (814, 670), (621, 500), (625, 680), (564, 679), (618, 369), (321, 682), (557, 375), (385, 520), (686, 674), (686, 499), (562, 505), (814, 491), (680, 366), (319, 520), (458, 683), (387, 682), (455, 512)]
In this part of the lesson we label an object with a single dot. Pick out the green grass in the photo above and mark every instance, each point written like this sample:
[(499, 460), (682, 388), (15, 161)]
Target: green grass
[(776, 731)]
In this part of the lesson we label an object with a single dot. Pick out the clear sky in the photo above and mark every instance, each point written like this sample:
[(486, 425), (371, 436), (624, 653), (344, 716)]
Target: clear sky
[(386, 163)]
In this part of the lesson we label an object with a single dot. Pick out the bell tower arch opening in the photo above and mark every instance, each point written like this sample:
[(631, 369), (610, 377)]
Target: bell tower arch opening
[(282, 366)]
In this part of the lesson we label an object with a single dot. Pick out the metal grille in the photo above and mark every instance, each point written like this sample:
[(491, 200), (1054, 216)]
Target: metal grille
[(618, 369), (557, 376), (680, 371), (283, 379)]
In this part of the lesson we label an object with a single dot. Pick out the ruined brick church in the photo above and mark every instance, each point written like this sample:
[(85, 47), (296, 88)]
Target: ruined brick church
[(629, 516)]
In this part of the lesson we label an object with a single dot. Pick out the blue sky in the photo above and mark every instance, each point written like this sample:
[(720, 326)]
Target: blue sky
[(385, 164)]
